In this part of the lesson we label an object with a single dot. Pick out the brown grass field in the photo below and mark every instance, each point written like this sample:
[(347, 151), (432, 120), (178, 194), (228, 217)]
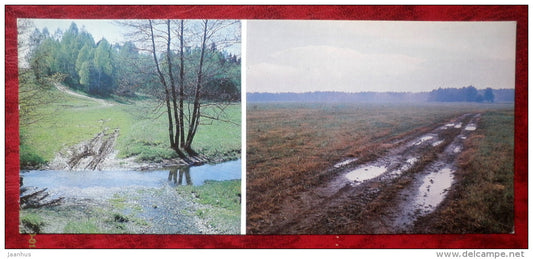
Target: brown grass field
[(292, 146)]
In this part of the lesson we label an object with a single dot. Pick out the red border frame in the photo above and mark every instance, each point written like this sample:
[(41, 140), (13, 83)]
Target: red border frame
[(419, 13)]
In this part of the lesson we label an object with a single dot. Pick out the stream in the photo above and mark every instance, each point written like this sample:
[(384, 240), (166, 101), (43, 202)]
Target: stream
[(130, 201)]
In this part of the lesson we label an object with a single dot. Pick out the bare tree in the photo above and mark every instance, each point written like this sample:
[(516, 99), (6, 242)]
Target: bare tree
[(182, 87), (195, 117), (184, 103), (211, 33)]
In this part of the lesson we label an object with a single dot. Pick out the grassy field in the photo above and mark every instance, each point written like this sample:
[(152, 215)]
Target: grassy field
[(290, 145), (143, 133)]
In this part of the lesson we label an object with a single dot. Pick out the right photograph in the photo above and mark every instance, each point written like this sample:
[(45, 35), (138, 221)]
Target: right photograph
[(379, 127)]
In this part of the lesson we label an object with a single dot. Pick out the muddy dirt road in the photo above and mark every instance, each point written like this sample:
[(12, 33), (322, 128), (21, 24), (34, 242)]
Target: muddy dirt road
[(386, 195)]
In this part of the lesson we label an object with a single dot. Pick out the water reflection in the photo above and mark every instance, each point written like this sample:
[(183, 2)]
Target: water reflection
[(181, 171), (89, 184)]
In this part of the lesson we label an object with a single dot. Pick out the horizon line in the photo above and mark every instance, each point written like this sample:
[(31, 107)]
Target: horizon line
[(383, 92)]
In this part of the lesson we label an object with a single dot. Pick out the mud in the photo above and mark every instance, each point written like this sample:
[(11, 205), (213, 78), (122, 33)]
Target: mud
[(88, 155), (384, 196), (99, 153)]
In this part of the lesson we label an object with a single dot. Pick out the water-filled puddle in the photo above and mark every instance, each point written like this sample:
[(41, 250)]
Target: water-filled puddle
[(450, 125), (365, 173), (470, 127), (458, 125), (433, 190)]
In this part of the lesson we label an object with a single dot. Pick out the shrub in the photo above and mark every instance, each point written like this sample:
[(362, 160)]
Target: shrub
[(29, 159), (32, 222)]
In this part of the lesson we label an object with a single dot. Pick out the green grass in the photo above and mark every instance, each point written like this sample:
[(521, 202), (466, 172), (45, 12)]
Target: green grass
[(31, 222), (148, 137), (224, 194), (143, 133), (220, 138), (118, 202), (79, 220), (70, 122), (29, 159), (88, 226), (221, 203)]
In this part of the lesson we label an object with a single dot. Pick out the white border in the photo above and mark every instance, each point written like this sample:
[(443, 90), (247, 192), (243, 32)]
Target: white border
[(243, 125)]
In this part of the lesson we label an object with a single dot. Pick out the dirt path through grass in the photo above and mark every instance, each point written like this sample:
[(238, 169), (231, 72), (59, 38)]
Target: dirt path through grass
[(384, 195), (65, 89)]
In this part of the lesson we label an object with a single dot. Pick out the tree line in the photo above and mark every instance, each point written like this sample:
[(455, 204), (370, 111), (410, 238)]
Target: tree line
[(104, 69), (464, 94)]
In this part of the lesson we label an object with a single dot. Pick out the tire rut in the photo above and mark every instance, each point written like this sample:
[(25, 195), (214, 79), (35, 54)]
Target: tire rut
[(385, 195), (87, 155)]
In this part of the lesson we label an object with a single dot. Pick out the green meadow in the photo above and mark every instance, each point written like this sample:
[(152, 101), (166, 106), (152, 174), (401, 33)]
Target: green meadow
[(143, 130)]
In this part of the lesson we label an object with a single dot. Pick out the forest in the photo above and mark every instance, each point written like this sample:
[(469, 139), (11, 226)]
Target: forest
[(105, 69)]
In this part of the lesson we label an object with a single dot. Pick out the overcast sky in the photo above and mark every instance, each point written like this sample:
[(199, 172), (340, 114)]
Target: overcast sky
[(354, 56)]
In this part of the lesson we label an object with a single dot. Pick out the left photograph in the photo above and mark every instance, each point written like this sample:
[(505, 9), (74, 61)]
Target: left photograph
[(130, 126)]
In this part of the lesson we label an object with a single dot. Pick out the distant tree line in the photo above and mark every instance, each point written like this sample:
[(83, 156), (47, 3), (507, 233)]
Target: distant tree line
[(464, 94), (100, 68)]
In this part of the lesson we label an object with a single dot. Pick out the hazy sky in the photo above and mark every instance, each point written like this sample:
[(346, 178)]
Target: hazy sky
[(354, 56)]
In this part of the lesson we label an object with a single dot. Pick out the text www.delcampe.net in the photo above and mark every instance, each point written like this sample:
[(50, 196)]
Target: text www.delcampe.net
[(481, 254)]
